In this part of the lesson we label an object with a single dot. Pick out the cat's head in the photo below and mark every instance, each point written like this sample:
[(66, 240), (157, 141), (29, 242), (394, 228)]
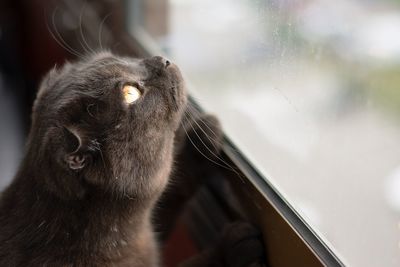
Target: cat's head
[(107, 122)]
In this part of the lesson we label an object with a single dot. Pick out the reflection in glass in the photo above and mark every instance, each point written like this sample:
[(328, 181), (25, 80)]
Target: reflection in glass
[(310, 92)]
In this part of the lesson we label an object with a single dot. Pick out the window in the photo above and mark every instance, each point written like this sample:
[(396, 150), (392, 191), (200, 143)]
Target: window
[(309, 92)]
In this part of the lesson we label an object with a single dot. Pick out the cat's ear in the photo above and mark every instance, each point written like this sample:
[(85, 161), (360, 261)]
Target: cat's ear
[(51, 77), (76, 156)]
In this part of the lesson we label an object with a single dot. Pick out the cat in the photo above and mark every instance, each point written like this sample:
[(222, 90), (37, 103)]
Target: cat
[(105, 132)]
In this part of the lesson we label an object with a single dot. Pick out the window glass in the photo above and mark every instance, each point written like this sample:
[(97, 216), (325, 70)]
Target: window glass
[(309, 91)]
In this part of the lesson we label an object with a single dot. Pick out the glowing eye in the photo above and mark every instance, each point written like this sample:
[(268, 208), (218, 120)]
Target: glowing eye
[(131, 93)]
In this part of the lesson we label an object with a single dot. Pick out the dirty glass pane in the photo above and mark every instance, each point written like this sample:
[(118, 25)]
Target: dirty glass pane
[(309, 90)]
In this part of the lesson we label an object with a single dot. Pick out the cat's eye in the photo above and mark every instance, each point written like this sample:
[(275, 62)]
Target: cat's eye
[(131, 93)]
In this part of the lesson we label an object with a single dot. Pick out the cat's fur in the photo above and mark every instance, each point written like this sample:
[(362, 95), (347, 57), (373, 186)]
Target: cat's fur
[(94, 166)]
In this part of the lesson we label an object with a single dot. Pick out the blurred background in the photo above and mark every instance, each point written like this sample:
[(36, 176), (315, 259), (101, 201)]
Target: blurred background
[(308, 90)]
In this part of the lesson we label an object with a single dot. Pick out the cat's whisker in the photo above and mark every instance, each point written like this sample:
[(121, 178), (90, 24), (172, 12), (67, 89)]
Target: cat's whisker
[(101, 29), (226, 165), (88, 110), (97, 147), (60, 41), (87, 54), (88, 49), (211, 160), (199, 117), (194, 110), (211, 139), (201, 140)]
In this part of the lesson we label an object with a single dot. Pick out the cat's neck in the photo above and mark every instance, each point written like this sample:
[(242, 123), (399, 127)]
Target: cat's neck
[(93, 200)]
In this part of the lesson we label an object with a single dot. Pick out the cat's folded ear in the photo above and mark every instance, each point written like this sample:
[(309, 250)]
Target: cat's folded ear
[(64, 149), (77, 154), (51, 77)]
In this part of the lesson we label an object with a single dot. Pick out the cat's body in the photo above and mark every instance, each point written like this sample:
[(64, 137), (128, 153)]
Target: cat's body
[(41, 230), (95, 166)]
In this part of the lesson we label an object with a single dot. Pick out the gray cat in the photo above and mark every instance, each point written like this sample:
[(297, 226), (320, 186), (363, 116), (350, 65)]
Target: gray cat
[(105, 132)]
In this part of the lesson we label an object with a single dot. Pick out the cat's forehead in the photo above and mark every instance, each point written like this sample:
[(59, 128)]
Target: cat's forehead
[(108, 58), (108, 64)]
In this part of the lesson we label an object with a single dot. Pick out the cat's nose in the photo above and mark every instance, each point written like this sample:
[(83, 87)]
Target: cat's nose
[(159, 62)]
